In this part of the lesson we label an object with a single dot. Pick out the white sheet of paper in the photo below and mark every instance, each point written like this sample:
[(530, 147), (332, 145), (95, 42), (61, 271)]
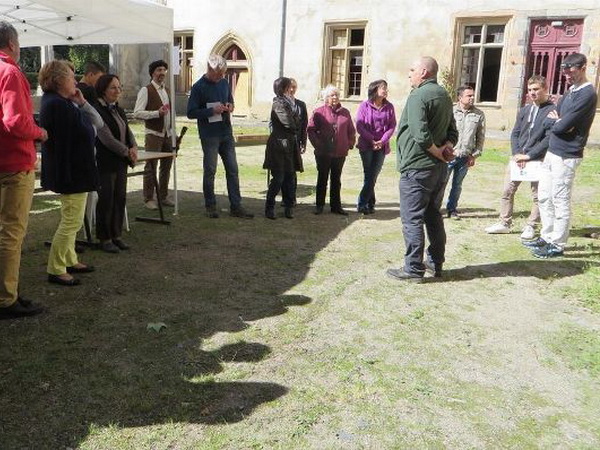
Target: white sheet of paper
[(531, 171), (214, 117)]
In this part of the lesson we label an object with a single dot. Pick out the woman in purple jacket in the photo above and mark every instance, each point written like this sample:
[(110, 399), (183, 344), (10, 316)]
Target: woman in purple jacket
[(375, 123), (332, 134)]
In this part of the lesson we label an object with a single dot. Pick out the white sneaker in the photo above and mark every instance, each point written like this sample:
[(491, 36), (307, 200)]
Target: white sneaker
[(528, 233), (151, 204), (498, 228)]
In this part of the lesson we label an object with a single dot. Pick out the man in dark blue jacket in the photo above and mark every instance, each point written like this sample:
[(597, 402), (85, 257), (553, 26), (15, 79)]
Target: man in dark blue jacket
[(570, 127), (529, 142), (211, 103)]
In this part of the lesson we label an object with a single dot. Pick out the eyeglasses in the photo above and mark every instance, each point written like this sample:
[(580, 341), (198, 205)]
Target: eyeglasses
[(569, 65)]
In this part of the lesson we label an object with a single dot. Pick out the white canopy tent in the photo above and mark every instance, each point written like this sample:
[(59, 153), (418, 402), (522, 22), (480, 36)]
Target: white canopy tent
[(74, 22)]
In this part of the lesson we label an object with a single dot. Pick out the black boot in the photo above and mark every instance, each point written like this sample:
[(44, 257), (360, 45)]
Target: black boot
[(289, 213), (270, 212), (339, 210)]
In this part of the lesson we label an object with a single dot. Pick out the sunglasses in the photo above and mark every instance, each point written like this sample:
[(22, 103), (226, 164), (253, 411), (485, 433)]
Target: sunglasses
[(569, 65)]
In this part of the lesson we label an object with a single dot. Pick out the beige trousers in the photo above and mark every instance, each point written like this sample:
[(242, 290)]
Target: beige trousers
[(16, 192)]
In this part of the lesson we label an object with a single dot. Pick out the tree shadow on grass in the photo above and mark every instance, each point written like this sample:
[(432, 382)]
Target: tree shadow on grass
[(91, 361)]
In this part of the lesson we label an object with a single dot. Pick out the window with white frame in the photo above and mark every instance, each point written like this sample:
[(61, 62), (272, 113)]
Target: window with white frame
[(185, 43), (345, 52), (480, 59)]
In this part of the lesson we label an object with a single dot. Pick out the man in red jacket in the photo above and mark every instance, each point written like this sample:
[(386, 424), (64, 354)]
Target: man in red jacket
[(18, 132)]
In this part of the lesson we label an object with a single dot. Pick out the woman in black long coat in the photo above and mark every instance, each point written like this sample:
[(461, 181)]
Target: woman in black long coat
[(282, 154), (116, 148)]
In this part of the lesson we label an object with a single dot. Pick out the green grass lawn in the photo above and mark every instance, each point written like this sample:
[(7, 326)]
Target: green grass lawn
[(286, 334)]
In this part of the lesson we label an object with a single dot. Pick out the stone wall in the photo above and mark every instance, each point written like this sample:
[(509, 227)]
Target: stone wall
[(396, 33)]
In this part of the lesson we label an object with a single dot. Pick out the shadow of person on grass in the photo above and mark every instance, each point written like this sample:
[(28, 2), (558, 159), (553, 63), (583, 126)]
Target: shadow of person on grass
[(545, 269), (303, 191), (586, 232), (475, 213), (94, 360), (306, 204)]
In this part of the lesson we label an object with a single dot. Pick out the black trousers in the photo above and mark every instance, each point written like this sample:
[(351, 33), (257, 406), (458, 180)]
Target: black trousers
[(110, 209), (421, 194), (284, 181), (325, 166)]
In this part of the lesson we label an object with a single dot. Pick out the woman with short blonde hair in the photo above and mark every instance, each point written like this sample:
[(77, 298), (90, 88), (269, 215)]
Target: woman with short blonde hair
[(68, 163), (52, 73)]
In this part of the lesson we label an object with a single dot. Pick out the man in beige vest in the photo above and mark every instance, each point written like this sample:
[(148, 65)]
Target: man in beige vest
[(152, 106)]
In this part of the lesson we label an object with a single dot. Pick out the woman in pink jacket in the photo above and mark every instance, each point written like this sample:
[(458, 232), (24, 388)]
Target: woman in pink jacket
[(375, 123), (332, 134)]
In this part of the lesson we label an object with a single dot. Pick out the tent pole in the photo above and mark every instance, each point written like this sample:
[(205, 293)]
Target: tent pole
[(173, 128)]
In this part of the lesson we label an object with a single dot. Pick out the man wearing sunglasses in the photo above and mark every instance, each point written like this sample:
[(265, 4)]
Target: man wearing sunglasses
[(569, 128)]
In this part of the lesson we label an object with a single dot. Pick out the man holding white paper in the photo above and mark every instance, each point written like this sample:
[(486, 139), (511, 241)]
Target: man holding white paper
[(211, 104), (529, 143)]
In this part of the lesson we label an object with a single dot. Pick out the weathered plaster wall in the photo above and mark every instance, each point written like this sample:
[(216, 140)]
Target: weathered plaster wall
[(397, 32)]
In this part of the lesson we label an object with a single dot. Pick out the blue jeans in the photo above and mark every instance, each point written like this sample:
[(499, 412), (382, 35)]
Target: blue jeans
[(372, 162), (458, 168), (220, 146)]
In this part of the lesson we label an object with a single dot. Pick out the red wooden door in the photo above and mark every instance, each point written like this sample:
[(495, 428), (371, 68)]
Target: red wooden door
[(550, 41), (235, 57)]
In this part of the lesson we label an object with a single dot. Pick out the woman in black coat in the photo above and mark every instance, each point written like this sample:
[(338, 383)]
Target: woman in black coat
[(68, 163), (116, 148), (282, 154), (301, 110)]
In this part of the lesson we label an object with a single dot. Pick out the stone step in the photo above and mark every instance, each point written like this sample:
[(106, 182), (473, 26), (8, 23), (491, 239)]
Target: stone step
[(251, 139)]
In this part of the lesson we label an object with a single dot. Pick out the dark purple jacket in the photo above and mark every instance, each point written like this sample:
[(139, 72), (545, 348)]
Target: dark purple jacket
[(326, 123), (375, 124)]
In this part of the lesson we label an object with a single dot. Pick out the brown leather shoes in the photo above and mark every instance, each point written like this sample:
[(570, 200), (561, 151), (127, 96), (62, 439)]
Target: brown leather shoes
[(63, 281)]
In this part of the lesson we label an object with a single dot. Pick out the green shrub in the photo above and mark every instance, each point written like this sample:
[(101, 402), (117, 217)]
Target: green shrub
[(32, 77)]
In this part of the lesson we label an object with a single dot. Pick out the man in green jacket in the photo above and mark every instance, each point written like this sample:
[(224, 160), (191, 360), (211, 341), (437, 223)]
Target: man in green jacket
[(426, 135)]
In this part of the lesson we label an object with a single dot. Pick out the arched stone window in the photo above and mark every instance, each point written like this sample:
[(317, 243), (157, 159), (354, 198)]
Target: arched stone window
[(239, 71)]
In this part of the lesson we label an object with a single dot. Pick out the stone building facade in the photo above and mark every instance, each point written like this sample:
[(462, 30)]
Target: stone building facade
[(493, 47)]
